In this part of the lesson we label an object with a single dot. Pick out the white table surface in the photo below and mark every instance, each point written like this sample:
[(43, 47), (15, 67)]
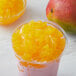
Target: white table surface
[(35, 10)]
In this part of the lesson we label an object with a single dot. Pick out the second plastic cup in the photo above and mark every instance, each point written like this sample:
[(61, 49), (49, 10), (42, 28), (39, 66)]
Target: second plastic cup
[(11, 10)]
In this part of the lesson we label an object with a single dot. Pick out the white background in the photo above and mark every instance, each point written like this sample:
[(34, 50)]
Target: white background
[(35, 10)]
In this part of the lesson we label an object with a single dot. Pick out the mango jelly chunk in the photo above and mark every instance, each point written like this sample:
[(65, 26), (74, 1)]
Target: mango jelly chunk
[(37, 41), (11, 10)]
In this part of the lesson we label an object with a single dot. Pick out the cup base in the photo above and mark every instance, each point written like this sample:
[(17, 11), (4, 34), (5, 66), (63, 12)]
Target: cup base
[(50, 70)]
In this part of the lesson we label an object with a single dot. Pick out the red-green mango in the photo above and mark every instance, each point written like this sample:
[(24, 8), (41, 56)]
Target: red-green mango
[(63, 12)]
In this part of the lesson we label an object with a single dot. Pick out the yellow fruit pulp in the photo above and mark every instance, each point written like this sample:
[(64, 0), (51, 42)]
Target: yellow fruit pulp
[(36, 41), (11, 10)]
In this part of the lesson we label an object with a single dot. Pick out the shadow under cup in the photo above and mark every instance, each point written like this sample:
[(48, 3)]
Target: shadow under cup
[(40, 69)]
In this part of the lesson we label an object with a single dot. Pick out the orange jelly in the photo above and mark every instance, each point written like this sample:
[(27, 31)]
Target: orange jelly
[(38, 41), (11, 10)]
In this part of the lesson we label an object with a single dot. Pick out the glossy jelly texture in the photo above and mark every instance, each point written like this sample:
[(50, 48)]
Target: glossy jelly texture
[(11, 10), (38, 42)]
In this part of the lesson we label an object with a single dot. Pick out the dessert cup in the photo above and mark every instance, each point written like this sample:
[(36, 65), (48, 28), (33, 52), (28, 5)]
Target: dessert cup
[(50, 68)]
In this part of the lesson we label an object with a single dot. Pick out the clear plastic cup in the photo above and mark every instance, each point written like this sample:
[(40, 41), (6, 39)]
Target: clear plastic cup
[(6, 16), (37, 68)]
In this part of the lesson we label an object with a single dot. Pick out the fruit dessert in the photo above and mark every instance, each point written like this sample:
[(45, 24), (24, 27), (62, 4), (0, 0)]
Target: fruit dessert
[(11, 10), (36, 43)]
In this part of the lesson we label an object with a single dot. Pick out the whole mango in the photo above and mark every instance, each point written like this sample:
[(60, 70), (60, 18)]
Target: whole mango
[(63, 12)]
